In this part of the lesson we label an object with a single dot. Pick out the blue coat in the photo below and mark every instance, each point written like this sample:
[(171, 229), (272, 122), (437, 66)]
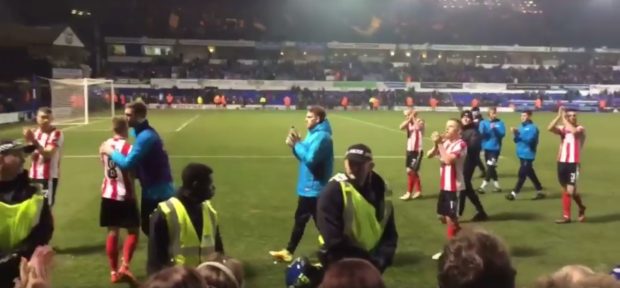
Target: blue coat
[(150, 161), (527, 141), (316, 160), (492, 137)]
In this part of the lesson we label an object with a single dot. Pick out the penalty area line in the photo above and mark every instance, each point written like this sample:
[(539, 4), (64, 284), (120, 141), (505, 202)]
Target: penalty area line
[(187, 123)]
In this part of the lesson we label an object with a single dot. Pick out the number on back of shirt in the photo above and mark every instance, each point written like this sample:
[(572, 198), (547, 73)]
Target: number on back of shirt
[(112, 173)]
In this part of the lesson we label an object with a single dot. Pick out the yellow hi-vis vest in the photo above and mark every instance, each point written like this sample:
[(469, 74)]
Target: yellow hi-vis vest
[(360, 221), (185, 247), (16, 221)]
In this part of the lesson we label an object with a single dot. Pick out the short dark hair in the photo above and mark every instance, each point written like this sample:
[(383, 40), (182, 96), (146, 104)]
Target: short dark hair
[(528, 112), (195, 172), (318, 111), (120, 125), (45, 110), (139, 108)]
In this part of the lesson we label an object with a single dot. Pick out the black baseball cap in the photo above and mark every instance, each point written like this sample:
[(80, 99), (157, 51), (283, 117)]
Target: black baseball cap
[(358, 153), (467, 114), (7, 145)]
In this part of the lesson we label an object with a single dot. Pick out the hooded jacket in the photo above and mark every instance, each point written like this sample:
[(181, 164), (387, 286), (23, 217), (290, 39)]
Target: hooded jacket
[(316, 160)]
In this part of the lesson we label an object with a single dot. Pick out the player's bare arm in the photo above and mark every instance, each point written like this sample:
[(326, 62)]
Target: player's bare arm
[(445, 157), (437, 139), (47, 152), (569, 126), (408, 119), (553, 126)]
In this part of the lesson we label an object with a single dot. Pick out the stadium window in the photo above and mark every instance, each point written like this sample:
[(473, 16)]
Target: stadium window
[(117, 50), (156, 50)]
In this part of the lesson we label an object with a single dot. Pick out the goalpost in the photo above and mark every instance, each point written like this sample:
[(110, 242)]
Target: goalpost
[(79, 101)]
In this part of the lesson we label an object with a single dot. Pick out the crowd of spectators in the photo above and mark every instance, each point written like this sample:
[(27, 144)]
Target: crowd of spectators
[(353, 70), (473, 258)]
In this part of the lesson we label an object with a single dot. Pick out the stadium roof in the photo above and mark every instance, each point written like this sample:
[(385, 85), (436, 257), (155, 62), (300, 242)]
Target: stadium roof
[(15, 35)]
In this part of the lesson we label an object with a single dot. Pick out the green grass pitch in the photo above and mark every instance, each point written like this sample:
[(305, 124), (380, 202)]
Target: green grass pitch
[(255, 175)]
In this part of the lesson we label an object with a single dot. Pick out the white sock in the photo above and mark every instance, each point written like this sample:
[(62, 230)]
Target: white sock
[(484, 184), (496, 184), (513, 194)]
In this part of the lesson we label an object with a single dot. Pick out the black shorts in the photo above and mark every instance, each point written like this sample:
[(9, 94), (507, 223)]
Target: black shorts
[(491, 157), (50, 194), (123, 214), (414, 160), (568, 173), (447, 204), (147, 206)]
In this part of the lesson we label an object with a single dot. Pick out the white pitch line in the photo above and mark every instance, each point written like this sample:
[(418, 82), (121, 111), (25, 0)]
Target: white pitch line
[(228, 156), (375, 125), (187, 123), (81, 125), (368, 123), (385, 127)]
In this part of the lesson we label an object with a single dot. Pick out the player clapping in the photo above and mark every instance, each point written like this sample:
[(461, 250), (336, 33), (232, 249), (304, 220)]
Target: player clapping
[(414, 127), (452, 151), (573, 138)]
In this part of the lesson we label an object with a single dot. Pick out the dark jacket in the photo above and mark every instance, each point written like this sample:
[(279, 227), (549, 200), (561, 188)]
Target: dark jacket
[(330, 223), (158, 256), (15, 192), (471, 136)]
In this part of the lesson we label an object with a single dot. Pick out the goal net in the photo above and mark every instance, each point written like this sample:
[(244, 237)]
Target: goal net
[(79, 101)]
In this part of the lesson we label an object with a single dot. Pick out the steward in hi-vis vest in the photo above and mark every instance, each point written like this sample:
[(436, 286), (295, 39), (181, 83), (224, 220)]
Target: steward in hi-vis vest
[(25, 217), (355, 215), (184, 229)]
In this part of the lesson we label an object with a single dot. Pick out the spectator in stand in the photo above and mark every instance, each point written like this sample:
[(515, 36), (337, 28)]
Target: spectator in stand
[(287, 102), (176, 277), (217, 100), (577, 276), (475, 258), (169, 100), (222, 272), (352, 273)]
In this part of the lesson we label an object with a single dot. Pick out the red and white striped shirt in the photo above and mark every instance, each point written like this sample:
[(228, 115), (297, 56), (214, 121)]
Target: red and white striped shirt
[(570, 148), (452, 174), (414, 137), (117, 184), (50, 168)]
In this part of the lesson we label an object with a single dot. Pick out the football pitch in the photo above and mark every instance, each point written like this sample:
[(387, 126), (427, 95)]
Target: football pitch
[(255, 176)]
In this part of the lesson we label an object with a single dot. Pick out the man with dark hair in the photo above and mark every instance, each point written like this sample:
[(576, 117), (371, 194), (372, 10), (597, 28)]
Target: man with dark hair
[(149, 159), (45, 166), (358, 198), (471, 136), (477, 116), (492, 131), (316, 160), (526, 138), (26, 221), (178, 221), (573, 138)]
